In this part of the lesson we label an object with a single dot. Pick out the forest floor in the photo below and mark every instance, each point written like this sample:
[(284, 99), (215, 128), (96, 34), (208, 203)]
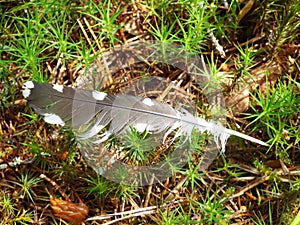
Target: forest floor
[(251, 52)]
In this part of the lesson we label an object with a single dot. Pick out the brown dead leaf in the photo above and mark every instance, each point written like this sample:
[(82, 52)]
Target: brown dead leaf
[(68, 211), (239, 99), (63, 155)]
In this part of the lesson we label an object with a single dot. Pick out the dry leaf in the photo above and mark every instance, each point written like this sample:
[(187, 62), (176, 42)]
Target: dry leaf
[(239, 99), (68, 211)]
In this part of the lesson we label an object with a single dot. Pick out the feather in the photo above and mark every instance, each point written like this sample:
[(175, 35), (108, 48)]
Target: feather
[(90, 111)]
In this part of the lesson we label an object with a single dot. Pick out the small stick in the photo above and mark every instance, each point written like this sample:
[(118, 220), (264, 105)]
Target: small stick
[(55, 185)]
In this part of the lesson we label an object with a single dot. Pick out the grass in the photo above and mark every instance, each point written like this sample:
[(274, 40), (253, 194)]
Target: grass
[(25, 186), (279, 111), (57, 41)]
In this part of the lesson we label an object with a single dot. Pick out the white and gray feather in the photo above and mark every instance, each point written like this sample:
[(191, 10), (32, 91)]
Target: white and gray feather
[(76, 107)]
